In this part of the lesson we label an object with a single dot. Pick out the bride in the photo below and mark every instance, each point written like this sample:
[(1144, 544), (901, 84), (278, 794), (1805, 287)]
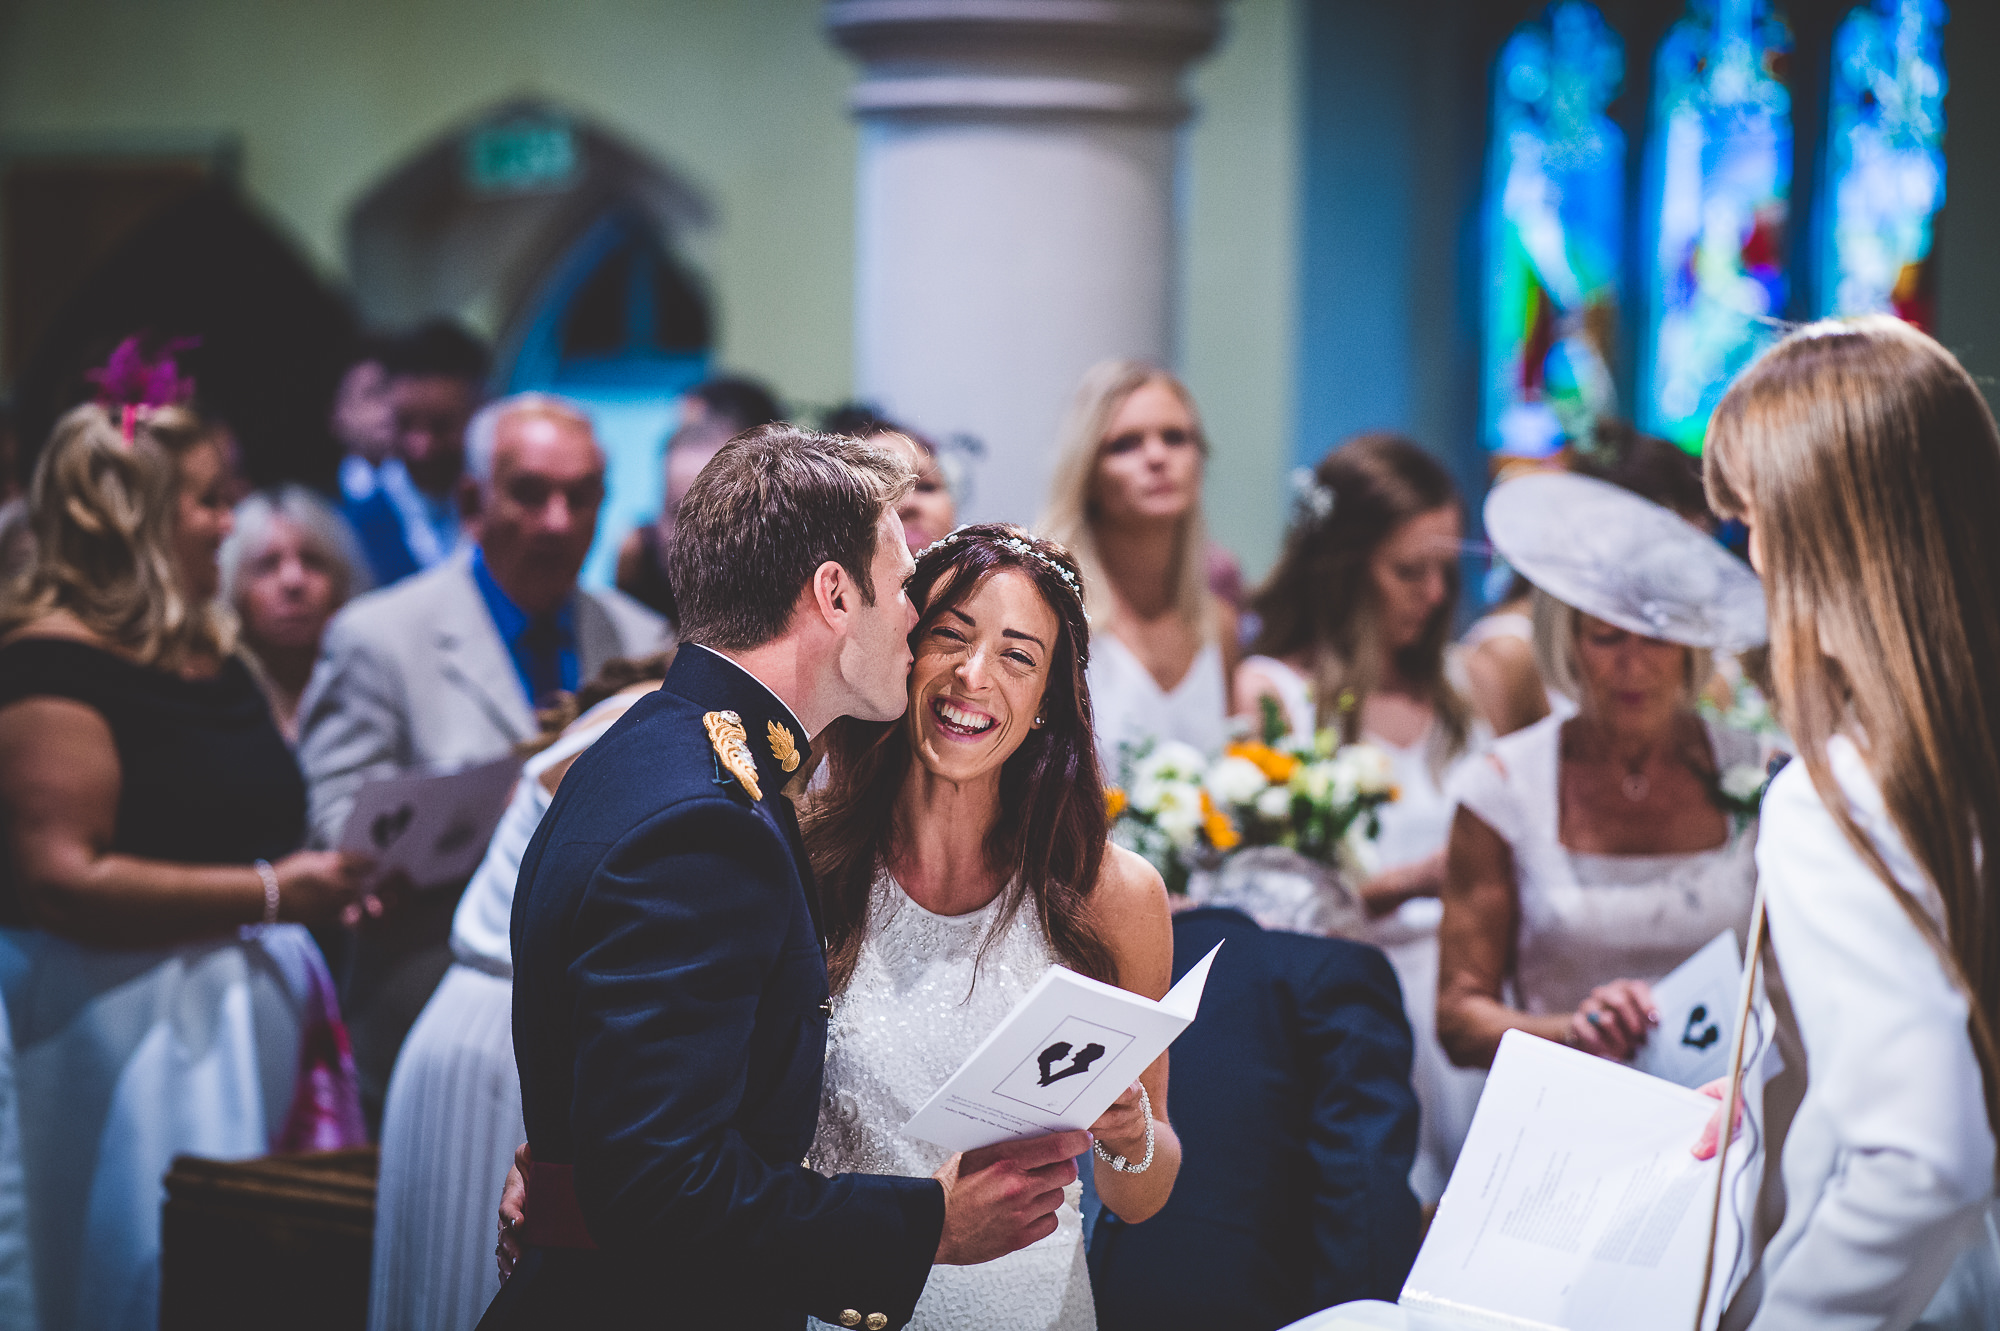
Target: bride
[(959, 851)]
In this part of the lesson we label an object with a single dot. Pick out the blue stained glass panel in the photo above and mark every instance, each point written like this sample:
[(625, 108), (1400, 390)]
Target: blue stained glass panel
[(1721, 177), (1885, 160), (1554, 218)]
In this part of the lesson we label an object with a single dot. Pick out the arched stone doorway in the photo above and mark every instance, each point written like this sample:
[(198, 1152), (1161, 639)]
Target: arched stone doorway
[(561, 242)]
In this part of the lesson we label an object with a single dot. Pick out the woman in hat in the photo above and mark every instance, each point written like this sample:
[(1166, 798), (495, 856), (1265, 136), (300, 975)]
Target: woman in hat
[(1591, 855)]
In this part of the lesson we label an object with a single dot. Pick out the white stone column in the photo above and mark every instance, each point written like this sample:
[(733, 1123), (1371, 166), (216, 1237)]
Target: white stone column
[(1016, 203)]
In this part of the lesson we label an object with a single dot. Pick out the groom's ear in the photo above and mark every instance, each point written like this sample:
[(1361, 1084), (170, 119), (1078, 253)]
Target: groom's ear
[(830, 594)]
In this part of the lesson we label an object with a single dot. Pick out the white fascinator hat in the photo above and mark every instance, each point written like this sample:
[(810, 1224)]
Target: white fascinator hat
[(1626, 560)]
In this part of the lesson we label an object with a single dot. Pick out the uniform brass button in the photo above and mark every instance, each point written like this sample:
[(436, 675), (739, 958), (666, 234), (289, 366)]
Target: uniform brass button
[(850, 1317), (826, 1008), (877, 1321)]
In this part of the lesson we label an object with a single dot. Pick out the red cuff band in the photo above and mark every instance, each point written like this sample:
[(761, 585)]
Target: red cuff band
[(554, 1220)]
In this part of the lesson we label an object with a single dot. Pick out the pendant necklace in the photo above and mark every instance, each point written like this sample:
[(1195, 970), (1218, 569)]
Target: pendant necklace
[(1635, 785)]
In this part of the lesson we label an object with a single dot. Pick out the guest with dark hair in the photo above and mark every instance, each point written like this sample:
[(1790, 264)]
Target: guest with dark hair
[(1355, 620), (363, 420), (446, 669), (930, 509), (1298, 1127), (286, 568), (410, 520), (712, 414), (152, 813)]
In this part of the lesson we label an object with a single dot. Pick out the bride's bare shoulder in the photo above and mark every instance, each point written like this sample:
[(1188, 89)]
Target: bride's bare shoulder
[(1133, 919)]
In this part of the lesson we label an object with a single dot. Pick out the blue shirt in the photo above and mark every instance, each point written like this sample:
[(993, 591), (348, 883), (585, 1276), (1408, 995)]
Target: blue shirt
[(519, 632)]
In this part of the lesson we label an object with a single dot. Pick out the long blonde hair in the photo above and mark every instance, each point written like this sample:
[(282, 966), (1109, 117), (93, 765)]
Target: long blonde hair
[(1869, 466), (102, 511), (1071, 518)]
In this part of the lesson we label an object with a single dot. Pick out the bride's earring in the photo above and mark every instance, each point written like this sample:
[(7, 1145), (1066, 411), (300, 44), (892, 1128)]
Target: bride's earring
[(1038, 721)]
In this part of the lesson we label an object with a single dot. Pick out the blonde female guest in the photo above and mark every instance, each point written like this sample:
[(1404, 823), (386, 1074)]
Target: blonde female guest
[(1126, 502), (1356, 618), (288, 566), (158, 1004), (1590, 855), (453, 1111), (1867, 467)]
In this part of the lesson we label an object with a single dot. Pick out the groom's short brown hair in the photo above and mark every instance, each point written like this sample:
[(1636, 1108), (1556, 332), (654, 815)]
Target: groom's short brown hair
[(772, 506)]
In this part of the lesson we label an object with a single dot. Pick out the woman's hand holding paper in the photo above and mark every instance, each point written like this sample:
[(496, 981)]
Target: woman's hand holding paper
[(1615, 1020)]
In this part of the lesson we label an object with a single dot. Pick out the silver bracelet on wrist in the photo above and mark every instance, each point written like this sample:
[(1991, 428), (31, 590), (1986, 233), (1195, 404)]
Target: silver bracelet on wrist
[(269, 878), (1118, 1162)]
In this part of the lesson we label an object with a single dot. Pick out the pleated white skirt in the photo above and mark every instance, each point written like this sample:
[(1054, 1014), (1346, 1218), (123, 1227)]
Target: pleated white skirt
[(449, 1129)]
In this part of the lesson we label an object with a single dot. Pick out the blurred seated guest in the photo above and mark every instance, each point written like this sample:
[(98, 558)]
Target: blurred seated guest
[(152, 814), (290, 563), (1354, 623), (410, 520), (363, 421), (712, 414), (446, 669), (1298, 1126), (929, 510), (1592, 855), (454, 1107), (1126, 502)]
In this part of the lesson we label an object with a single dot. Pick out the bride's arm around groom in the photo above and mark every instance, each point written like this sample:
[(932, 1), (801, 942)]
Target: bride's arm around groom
[(671, 999)]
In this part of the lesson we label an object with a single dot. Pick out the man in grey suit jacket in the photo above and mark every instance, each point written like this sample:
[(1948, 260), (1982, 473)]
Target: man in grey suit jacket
[(446, 668)]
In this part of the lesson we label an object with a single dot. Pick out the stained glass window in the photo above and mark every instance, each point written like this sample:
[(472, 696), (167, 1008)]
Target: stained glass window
[(1885, 160), (1554, 218), (1722, 175)]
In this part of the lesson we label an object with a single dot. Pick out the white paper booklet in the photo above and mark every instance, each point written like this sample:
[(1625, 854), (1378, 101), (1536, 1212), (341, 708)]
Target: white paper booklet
[(1064, 1053), (433, 827), (1575, 1203), (1697, 1006)]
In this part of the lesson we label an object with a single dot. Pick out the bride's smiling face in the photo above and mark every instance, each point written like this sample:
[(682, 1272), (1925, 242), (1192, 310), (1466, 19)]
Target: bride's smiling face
[(981, 668)]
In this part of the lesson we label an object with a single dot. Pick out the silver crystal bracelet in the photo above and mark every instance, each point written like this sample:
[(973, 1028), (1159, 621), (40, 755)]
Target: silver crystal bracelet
[(1118, 1162)]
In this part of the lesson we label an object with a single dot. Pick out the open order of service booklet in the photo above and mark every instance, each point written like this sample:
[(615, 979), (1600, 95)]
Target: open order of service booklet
[(1576, 1204), (1066, 1051)]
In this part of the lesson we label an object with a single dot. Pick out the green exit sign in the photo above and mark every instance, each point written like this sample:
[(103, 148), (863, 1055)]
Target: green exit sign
[(520, 156)]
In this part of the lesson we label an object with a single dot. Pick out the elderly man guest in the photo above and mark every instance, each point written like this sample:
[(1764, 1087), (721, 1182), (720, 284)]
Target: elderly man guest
[(446, 668), (408, 520)]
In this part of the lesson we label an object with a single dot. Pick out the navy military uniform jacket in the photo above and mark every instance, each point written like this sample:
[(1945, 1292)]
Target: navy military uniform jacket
[(670, 1014), (1298, 1128)]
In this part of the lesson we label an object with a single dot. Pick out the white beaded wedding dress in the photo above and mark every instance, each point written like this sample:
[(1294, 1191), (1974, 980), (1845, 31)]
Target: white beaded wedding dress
[(926, 990)]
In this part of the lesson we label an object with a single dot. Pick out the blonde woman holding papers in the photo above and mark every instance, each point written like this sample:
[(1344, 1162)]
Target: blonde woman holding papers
[(1867, 467)]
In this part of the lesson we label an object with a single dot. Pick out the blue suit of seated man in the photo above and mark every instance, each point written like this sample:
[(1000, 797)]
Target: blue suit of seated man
[(670, 1012), (1298, 1127)]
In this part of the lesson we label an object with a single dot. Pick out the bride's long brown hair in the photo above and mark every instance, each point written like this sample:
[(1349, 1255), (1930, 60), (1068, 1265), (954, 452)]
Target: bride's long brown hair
[(1868, 465), (1049, 841)]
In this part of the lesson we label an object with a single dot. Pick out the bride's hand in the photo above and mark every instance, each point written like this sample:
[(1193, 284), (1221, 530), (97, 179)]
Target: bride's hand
[(1123, 1124)]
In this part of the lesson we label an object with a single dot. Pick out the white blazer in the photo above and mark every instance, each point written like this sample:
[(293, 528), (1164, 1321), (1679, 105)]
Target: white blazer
[(1887, 1165), (416, 676)]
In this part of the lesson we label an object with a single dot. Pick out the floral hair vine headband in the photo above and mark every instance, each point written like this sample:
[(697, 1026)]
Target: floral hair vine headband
[(1019, 547), (132, 381), (1313, 498)]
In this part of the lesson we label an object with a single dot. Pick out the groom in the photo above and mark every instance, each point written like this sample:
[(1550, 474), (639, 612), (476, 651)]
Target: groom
[(670, 992)]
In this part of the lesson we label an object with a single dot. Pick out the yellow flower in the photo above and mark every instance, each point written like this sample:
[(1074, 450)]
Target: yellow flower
[(1114, 801), (1221, 833), (1276, 767)]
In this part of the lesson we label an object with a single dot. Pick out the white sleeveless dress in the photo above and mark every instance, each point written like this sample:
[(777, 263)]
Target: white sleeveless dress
[(1128, 705), (923, 997), (1586, 919)]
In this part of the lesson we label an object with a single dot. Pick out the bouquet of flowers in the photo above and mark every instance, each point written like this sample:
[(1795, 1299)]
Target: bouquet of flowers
[(1161, 808), (1318, 800)]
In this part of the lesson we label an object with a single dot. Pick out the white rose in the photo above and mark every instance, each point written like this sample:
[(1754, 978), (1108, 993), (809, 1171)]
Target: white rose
[(1315, 781), (1236, 781), (1743, 781), (1171, 761), (1146, 794), (1179, 813), (1275, 803)]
